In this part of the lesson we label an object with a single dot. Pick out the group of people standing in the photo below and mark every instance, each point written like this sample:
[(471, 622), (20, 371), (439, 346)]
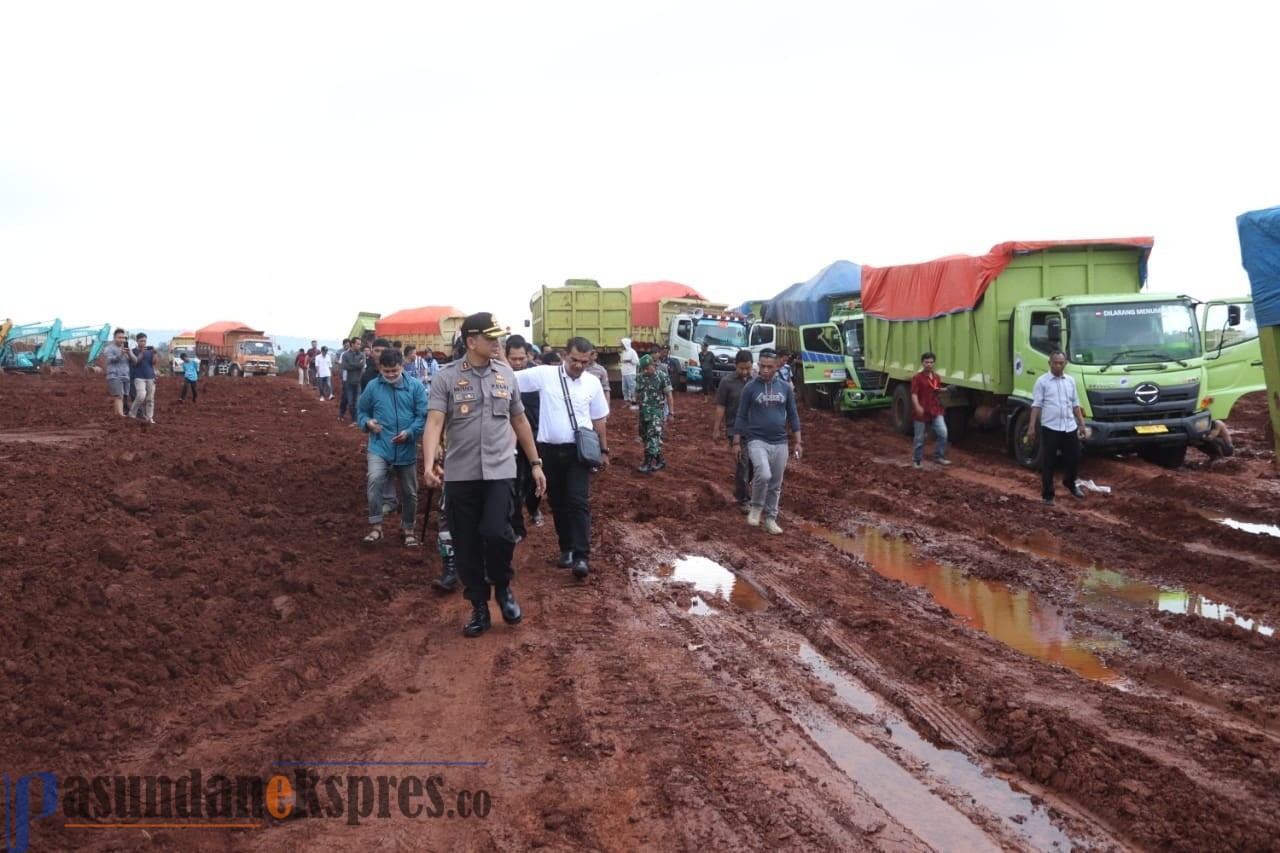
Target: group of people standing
[(490, 462), (131, 376)]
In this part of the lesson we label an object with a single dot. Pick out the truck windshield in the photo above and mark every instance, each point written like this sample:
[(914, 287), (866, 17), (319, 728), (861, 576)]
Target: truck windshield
[(852, 338), (1132, 332), (725, 333), (256, 347)]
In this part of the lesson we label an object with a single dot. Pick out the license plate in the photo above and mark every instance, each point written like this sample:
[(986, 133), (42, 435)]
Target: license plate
[(1154, 429)]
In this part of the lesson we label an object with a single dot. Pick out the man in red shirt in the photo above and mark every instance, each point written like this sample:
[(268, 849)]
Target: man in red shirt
[(926, 411), (300, 362)]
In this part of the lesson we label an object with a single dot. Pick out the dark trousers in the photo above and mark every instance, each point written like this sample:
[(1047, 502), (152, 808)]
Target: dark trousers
[(1052, 441), (350, 398), (188, 383), (568, 492), (742, 476), (479, 514), (526, 496)]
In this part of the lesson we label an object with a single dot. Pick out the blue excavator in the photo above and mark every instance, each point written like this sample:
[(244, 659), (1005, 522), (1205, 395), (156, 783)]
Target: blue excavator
[(28, 360), (46, 351), (99, 335)]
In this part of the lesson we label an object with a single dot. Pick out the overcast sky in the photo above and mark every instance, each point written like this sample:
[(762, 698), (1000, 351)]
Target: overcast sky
[(287, 165)]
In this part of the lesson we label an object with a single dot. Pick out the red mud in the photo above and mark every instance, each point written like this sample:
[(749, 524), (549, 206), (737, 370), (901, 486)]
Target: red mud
[(195, 595)]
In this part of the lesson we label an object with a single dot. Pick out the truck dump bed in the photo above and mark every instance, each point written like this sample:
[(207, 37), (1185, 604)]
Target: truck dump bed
[(960, 307)]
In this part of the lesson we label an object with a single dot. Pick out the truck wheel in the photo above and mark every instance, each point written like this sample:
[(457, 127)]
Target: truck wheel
[(809, 393), (1166, 456), (1027, 455), (957, 423), (902, 409), (233, 370)]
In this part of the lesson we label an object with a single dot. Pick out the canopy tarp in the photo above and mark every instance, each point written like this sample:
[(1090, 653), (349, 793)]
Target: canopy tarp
[(646, 295), (810, 301), (415, 321), (1260, 252), (212, 334), (956, 283)]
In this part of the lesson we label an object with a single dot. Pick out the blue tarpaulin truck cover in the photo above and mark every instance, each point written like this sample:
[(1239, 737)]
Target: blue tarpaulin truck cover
[(1260, 252), (810, 301)]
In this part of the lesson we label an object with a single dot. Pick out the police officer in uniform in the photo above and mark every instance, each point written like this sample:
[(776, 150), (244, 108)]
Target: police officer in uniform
[(476, 398)]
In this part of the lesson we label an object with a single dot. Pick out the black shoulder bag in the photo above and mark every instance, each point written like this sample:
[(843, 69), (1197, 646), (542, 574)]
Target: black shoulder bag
[(585, 439)]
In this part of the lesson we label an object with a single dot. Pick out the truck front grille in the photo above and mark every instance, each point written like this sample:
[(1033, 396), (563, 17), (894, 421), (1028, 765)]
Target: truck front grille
[(1123, 404)]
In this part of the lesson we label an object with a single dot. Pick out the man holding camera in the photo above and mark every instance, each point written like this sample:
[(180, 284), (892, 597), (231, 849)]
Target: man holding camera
[(142, 359)]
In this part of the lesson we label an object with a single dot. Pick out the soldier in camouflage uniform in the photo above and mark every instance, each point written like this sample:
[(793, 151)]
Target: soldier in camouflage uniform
[(653, 388)]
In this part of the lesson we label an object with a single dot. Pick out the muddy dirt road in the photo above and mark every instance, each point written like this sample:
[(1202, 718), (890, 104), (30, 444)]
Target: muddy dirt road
[(923, 660)]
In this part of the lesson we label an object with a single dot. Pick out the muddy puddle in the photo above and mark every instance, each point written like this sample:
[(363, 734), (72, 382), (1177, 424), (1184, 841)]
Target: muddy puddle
[(1111, 590), (1013, 617), (709, 577), (1257, 527), (982, 790)]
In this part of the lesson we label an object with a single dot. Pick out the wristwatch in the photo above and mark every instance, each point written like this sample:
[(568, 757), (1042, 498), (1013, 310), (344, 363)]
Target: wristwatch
[(605, 451), (535, 462)]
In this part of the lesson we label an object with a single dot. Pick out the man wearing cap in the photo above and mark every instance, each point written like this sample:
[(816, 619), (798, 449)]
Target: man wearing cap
[(476, 398), (568, 480)]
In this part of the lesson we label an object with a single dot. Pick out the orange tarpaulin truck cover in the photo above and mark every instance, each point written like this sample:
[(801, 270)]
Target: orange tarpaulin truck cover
[(415, 321), (213, 333), (646, 295), (956, 283)]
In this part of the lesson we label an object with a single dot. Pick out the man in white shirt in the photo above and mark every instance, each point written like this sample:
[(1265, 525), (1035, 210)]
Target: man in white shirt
[(568, 480), (630, 363), (324, 372), (1056, 406)]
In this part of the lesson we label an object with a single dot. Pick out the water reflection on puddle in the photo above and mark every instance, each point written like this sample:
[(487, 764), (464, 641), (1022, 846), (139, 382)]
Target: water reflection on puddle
[(1102, 588), (710, 577), (1248, 526), (1021, 815), (1013, 617)]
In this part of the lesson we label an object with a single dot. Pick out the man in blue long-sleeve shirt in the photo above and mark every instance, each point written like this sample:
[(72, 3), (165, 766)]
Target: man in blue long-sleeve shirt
[(766, 408)]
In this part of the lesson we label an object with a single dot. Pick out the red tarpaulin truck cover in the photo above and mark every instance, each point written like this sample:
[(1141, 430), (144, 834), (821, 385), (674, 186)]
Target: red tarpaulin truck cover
[(956, 283), (414, 321), (646, 295)]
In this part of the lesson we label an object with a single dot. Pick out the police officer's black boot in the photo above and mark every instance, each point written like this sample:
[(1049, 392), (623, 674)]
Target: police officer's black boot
[(479, 620), (448, 580), (647, 466), (658, 463)]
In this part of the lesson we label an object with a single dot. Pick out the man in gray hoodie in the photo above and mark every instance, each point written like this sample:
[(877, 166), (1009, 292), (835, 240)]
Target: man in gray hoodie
[(766, 408)]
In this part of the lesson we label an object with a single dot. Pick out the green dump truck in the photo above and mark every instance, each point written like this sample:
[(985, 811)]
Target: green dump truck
[(651, 314), (1139, 359)]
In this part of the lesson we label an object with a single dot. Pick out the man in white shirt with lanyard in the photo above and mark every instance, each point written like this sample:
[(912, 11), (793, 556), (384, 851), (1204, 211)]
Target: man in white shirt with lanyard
[(568, 480), (1055, 404)]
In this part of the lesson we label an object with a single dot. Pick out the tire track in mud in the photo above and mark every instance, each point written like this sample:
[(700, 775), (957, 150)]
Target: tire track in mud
[(911, 790)]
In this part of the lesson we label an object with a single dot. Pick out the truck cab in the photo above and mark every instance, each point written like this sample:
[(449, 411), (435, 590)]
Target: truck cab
[(725, 334), (835, 373), (1138, 365), (1232, 353)]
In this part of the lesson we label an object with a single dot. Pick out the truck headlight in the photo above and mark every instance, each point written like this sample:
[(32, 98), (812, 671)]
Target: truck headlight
[(1203, 423)]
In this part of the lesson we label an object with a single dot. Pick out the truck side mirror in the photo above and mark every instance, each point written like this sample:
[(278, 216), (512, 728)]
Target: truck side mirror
[(1053, 326), (1233, 315)]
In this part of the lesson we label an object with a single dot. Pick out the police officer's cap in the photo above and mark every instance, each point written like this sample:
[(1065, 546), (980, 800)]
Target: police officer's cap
[(482, 324)]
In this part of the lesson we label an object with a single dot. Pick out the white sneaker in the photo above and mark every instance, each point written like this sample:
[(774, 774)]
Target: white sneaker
[(771, 526), (753, 516)]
